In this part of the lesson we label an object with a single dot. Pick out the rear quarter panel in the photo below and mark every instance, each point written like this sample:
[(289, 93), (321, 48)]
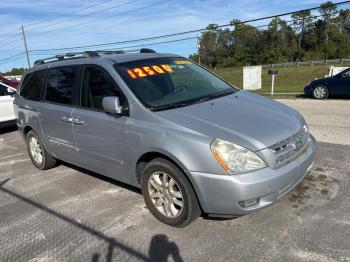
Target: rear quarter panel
[(28, 116)]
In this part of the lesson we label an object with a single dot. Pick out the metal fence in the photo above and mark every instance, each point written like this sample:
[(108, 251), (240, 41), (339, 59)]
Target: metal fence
[(309, 63)]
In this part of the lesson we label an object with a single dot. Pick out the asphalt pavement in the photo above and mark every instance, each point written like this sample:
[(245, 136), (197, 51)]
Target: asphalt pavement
[(70, 214)]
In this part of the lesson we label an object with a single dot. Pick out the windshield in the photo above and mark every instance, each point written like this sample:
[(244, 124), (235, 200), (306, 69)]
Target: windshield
[(164, 83)]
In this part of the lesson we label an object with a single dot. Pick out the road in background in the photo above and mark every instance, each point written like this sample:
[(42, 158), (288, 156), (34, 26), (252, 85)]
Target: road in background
[(328, 120), (70, 214)]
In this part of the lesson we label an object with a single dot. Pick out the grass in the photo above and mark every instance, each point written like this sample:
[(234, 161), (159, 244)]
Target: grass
[(289, 79)]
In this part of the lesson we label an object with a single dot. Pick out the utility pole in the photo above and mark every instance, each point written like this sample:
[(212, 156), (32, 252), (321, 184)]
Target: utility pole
[(198, 46), (25, 45)]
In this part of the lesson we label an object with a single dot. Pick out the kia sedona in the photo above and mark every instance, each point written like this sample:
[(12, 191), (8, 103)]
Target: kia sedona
[(192, 142)]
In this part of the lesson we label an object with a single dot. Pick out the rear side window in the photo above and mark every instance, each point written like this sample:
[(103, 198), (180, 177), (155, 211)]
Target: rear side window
[(96, 85), (60, 84), (32, 85)]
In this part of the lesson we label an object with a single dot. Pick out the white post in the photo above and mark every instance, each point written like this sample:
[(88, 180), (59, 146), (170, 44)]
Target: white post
[(272, 84)]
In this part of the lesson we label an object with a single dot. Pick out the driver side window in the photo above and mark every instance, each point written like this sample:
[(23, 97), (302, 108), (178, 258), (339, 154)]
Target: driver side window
[(97, 84), (346, 74)]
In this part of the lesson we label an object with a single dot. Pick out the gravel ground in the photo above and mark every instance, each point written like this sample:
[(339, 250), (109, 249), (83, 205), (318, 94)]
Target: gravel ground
[(70, 214)]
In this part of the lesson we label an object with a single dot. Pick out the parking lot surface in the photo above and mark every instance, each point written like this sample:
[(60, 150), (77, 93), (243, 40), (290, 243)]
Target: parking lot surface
[(70, 214)]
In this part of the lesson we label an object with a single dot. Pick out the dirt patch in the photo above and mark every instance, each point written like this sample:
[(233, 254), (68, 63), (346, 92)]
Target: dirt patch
[(317, 189)]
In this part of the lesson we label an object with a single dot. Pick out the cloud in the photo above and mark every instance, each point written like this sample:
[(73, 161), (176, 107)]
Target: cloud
[(133, 19)]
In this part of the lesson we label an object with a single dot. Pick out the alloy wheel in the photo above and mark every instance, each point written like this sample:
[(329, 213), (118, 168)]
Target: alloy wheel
[(320, 92), (35, 150), (165, 194)]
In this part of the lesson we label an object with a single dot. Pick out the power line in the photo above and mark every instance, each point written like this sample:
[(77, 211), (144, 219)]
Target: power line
[(109, 26), (38, 21), (12, 60), (185, 32), (134, 46), (191, 38), (103, 18), (174, 34), (10, 35), (66, 14), (22, 53), (84, 15)]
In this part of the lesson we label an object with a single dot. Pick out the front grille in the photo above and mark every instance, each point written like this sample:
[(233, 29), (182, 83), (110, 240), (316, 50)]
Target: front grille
[(290, 148)]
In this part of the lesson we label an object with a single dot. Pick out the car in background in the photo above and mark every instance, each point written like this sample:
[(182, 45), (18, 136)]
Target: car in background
[(7, 114), (337, 85)]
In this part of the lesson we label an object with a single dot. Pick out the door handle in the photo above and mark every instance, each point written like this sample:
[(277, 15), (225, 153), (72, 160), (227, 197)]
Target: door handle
[(77, 121), (67, 119)]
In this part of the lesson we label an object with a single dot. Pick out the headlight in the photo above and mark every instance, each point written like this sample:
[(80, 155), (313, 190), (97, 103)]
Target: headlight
[(308, 83), (306, 128), (235, 159)]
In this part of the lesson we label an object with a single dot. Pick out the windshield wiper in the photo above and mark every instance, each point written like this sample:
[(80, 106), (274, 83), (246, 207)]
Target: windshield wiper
[(192, 102), (212, 96), (170, 106)]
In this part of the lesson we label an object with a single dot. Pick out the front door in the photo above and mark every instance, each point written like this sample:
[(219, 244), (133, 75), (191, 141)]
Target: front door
[(56, 112), (100, 136), (342, 83)]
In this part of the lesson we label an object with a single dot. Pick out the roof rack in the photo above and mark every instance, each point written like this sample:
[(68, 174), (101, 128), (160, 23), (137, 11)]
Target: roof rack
[(96, 53)]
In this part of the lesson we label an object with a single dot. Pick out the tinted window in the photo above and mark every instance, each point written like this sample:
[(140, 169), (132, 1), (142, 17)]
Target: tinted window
[(2, 90), (32, 84), (96, 85), (346, 74), (60, 84), (167, 82)]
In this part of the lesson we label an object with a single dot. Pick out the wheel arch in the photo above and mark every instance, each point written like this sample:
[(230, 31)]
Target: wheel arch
[(153, 154), (321, 84), (26, 129), (150, 155)]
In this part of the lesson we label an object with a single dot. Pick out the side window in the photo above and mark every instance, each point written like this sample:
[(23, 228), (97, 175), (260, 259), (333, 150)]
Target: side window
[(32, 84), (2, 90), (60, 84), (346, 74), (97, 84)]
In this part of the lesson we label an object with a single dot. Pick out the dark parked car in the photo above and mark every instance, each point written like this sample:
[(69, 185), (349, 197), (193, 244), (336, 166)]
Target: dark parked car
[(337, 85)]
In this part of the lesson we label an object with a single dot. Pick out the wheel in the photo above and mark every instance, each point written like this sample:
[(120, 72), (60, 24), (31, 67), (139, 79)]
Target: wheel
[(37, 152), (168, 194), (320, 92)]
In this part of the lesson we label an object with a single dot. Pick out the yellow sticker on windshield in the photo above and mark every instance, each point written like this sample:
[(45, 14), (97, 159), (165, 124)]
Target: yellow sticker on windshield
[(183, 62), (152, 70)]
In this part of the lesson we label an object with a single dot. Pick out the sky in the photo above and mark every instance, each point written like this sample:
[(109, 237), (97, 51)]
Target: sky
[(67, 23)]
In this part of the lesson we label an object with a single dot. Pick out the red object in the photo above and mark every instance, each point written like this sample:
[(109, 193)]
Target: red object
[(13, 84)]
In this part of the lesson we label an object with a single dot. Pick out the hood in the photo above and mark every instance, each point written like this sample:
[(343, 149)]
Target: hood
[(243, 118)]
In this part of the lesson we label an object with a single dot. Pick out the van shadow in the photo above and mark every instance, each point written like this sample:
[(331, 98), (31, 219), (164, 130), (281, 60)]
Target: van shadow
[(160, 248), (101, 177)]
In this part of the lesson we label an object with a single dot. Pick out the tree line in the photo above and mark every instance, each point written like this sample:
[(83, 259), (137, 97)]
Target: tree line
[(305, 37)]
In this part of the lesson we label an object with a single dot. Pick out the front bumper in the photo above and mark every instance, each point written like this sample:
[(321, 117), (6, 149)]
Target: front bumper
[(307, 90), (222, 195)]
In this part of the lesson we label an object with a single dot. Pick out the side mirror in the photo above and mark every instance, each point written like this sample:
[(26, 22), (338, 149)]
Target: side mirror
[(111, 104), (11, 91)]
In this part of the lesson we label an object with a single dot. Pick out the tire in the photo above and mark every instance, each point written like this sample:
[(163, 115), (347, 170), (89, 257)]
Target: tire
[(171, 183), (320, 92), (36, 149)]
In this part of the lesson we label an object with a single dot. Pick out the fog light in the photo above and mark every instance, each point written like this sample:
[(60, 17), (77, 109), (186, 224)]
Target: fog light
[(249, 203)]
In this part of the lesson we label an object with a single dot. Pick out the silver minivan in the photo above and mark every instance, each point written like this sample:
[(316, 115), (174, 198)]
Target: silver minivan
[(192, 142)]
